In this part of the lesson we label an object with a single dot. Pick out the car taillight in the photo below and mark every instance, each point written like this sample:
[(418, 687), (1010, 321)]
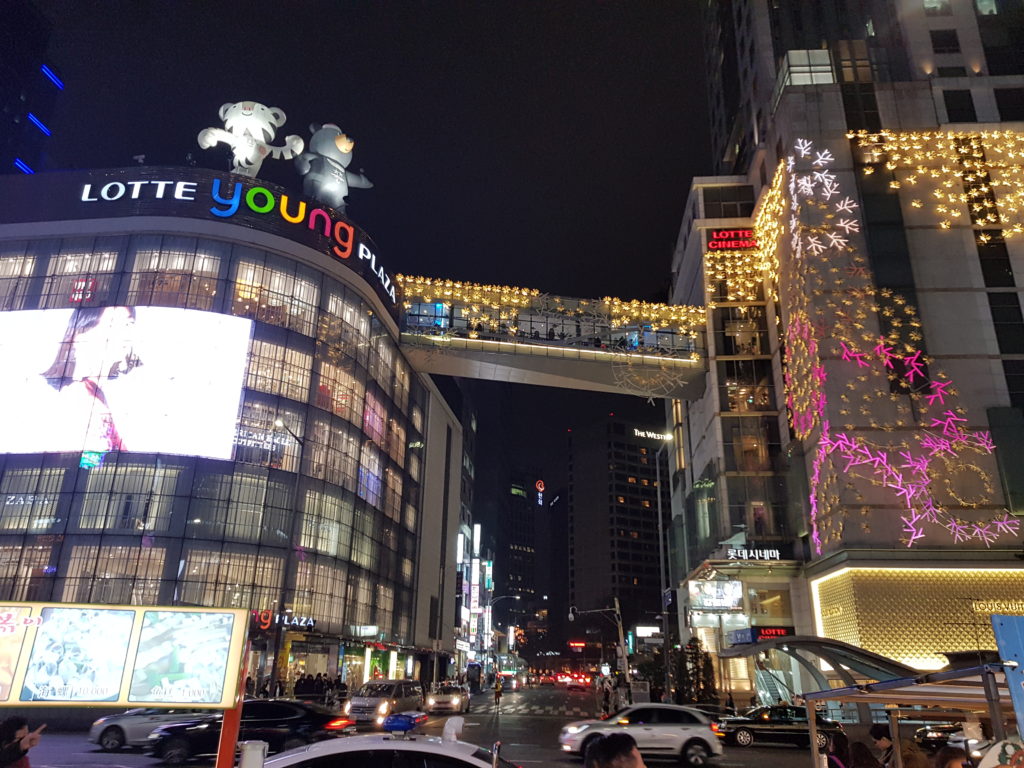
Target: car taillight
[(339, 724)]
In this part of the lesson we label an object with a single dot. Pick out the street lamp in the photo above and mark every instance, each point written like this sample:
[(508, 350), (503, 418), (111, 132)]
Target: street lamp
[(661, 563)]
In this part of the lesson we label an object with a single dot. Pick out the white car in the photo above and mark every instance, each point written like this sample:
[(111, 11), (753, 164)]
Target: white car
[(660, 730), (392, 749), (448, 698), (132, 728)]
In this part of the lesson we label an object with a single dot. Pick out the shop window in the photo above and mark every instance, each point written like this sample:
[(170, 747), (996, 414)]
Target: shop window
[(129, 497), (959, 106), (16, 268), (275, 296), (227, 579), (332, 452), (29, 499), (320, 584), (279, 370), (374, 415), (944, 41), (327, 524), (174, 271), (769, 603), (258, 439), (746, 385), (26, 573), (114, 575), (82, 274), (340, 390), (369, 486)]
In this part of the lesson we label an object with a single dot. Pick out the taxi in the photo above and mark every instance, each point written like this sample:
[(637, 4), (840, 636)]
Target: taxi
[(399, 746)]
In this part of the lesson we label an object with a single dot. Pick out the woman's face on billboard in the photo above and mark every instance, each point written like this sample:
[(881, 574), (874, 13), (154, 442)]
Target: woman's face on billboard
[(98, 349)]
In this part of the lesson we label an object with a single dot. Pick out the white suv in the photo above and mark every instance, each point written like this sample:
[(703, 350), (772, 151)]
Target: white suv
[(660, 730)]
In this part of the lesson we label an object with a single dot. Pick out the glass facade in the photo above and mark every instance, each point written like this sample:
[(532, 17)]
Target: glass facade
[(317, 512)]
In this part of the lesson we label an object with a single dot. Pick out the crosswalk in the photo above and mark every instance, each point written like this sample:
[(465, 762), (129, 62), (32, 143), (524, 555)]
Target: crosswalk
[(509, 706)]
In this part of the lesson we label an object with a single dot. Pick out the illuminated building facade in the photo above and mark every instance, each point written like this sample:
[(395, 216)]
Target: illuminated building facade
[(210, 409), (855, 460)]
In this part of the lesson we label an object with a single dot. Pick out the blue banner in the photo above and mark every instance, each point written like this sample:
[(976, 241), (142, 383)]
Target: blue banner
[(1009, 632)]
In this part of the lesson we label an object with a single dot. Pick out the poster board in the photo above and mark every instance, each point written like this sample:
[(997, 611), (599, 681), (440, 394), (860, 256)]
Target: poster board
[(67, 654)]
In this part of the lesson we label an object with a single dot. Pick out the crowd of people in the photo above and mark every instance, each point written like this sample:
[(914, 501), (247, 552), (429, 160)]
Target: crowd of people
[(320, 688)]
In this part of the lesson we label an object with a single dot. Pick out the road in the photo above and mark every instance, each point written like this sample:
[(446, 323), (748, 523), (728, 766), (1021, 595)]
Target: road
[(527, 726)]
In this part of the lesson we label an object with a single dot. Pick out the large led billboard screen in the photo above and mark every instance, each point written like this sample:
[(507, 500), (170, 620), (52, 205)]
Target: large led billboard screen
[(143, 379), (708, 595), (59, 654)]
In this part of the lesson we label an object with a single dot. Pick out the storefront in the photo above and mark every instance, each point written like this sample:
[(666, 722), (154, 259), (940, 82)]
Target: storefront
[(935, 609), (749, 593)]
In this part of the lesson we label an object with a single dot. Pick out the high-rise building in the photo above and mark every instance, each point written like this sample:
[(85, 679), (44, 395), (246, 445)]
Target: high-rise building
[(208, 409), (613, 505), (28, 88), (855, 456)]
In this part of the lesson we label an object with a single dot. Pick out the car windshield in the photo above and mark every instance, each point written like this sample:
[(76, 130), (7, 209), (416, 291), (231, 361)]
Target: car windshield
[(449, 689), (375, 690)]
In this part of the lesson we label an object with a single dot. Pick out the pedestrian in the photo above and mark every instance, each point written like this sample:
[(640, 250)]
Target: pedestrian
[(861, 757), (498, 689), (838, 751), (16, 740), (616, 750), (911, 754), (606, 698), (951, 757), (730, 703)]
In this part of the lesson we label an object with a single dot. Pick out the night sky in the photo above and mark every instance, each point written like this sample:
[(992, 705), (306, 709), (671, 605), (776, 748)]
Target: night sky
[(541, 143)]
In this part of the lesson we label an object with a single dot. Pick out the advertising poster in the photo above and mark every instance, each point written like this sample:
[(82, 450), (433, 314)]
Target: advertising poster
[(144, 379), (716, 595), (182, 657), (13, 624), (60, 654), (78, 655)]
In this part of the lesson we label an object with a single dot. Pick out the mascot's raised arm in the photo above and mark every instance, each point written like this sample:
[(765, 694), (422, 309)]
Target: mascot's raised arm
[(248, 127), (324, 167)]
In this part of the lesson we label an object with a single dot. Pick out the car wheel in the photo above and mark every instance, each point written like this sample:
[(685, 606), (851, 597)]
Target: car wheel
[(743, 737), (293, 743), (112, 739), (175, 752), (695, 753), (822, 740)]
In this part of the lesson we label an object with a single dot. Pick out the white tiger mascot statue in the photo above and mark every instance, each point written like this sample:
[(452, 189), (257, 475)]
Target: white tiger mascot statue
[(248, 126)]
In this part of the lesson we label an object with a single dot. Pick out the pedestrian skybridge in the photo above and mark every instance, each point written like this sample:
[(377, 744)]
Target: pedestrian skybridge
[(520, 335)]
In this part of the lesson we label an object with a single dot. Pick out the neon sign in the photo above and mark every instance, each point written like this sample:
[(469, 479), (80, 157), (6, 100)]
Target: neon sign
[(229, 199), (731, 239)]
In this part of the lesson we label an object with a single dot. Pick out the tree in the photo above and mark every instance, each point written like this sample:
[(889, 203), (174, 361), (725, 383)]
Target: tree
[(695, 675)]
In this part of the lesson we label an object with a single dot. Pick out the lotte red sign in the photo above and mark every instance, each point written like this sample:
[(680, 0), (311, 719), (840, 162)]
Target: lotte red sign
[(731, 239)]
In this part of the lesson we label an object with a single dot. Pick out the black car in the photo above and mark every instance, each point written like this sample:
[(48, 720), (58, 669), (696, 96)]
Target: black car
[(932, 738), (283, 724), (779, 724)]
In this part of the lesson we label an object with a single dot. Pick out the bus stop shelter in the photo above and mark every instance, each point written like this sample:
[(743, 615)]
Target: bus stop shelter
[(950, 695)]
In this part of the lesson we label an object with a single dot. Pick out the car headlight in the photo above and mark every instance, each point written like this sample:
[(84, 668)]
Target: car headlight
[(348, 707), (576, 728), (383, 708), (455, 701), (101, 721), (431, 701)]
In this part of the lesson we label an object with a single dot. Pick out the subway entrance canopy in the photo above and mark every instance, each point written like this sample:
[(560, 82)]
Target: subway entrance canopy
[(492, 332)]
